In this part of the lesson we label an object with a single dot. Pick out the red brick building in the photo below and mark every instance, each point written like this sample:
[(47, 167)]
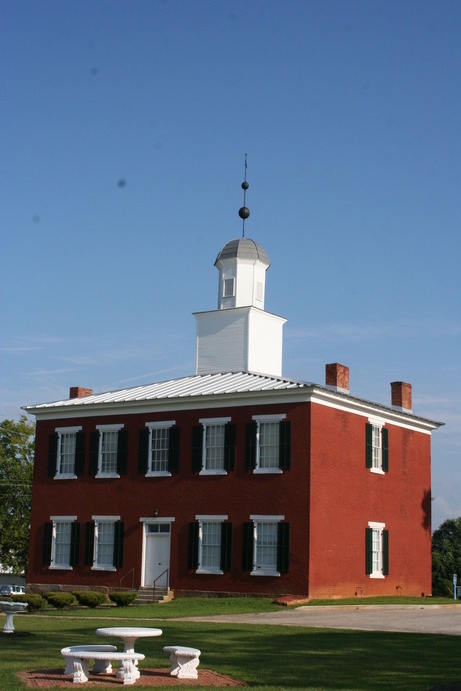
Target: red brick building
[(235, 479)]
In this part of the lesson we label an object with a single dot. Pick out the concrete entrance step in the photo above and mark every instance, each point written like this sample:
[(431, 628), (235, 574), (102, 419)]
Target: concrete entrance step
[(146, 595)]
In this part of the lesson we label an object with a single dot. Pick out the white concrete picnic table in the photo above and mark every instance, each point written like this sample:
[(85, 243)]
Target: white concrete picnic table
[(129, 634)]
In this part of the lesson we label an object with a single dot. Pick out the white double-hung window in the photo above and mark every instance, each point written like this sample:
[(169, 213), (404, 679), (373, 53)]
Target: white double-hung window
[(65, 542), (210, 532), (377, 446), (104, 543), (210, 544), (376, 550), (268, 444), (108, 450), (67, 442), (213, 446), (159, 447), (66, 453), (266, 545)]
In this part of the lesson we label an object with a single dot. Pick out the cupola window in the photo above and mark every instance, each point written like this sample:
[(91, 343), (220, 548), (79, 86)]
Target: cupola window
[(228, 287)]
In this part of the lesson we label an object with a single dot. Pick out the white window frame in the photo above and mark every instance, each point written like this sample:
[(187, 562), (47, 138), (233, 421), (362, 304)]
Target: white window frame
[(57, 520), (60, 431), (377, 554), (102, 430), (203, 520), (377, 448), (151, 427), (207, 423), (97, 522), (261, 570), (261, 419)]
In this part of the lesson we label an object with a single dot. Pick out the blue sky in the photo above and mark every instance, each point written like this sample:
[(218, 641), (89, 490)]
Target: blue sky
[(124, 127)]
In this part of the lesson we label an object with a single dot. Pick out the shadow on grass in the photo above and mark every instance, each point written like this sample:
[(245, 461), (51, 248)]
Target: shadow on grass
[(286, 657)]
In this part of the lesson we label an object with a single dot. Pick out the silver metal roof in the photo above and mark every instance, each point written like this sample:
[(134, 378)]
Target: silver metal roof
[(197, 385), (243, 248), (206, 387)]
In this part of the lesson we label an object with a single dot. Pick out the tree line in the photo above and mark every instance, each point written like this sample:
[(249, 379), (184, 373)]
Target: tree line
[(17, 439)]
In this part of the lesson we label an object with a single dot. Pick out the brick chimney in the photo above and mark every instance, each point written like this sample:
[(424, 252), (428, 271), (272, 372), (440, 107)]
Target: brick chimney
[(79, 392), (337, 377), (401, 396)]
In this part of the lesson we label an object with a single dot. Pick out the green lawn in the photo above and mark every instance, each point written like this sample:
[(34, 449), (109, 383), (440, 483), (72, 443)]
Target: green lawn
[(197, 606), (263, 656), (181, 607)]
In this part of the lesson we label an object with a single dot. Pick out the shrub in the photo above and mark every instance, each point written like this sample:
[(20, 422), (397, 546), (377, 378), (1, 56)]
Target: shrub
[(90, 598), (124, 598), (61, 600), (34, 600)]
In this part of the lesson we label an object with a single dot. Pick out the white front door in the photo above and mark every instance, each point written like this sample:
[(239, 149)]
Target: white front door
[(157, 554)]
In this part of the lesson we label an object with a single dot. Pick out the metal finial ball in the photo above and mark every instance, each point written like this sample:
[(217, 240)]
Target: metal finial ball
[(245, 185), (244, 212)]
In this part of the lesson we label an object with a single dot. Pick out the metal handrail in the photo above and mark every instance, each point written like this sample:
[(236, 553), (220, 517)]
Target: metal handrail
[(132, 578), (154, 586)]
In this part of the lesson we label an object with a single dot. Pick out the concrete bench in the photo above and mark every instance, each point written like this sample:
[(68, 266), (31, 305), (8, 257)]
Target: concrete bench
[(184, 661), (102, 666), (82, 658)]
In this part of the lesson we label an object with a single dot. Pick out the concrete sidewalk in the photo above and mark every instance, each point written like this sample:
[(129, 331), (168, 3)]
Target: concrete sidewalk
[(439, 619)]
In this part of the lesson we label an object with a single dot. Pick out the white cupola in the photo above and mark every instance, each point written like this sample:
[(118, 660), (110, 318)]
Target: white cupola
[(240, 336), (242, 266)]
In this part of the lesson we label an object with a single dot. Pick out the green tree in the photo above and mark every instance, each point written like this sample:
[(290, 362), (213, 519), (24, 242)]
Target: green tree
[(446, 556), (16, 470)]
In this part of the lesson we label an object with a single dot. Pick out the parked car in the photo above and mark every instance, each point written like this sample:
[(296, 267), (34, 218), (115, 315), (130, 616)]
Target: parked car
[(6, 590), (18, 590)]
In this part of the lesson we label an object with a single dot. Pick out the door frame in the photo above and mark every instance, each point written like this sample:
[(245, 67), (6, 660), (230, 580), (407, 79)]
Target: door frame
[(151, 520)]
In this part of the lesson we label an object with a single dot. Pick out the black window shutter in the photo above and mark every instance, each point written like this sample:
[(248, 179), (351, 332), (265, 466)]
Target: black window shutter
[(173, 451), (53, 454), (89, 543), (385, 449), (368, 550), (369, 445), (283, 547), (47, 540), (250, 446), (229, 446), (226, 546), (122, 451), (143, 450), (79, 453), (94, 453), (385, 552), (247, 556), (197, 444), (192, 554), (285, 445), (119, 535), (75, 544)]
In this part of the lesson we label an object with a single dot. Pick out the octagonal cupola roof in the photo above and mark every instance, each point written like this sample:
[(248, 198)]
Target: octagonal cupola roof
[(243, 248)]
